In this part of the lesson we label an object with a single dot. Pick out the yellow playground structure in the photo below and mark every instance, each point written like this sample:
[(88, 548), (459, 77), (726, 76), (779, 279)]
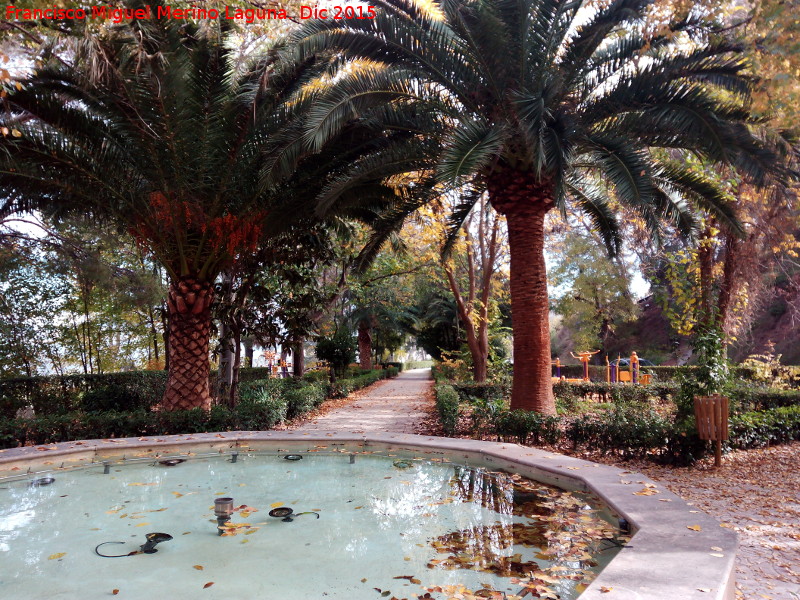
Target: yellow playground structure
[(614, 372)]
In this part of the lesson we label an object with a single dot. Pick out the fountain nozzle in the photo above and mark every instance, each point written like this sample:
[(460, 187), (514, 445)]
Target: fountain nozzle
[(223, 509)]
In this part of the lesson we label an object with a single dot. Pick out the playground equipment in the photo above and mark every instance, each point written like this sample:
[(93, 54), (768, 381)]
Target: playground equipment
[(614, 372), (584, 358), (557, 364)]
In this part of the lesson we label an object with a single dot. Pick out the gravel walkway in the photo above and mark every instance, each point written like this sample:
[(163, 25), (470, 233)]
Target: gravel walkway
[(400, 404)]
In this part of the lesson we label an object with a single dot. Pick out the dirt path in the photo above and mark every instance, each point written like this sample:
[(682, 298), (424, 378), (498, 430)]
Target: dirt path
[(401, 404)]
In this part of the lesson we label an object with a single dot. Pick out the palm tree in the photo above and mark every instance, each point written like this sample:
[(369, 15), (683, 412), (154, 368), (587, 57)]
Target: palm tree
[(160, 128), (554, 104)]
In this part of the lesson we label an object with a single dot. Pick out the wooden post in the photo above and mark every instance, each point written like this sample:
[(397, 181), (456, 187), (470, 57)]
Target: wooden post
[(608, 370)]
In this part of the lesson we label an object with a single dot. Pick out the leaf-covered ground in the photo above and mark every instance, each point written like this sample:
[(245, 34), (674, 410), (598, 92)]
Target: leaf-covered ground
[(756, 493)]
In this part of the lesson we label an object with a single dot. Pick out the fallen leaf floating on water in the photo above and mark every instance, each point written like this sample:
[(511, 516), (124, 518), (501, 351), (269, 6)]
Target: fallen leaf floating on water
[(208, 585), (198, 567), (717, 554), (694, 527), (605, 590), (56, 556), (716, 548), (114, 592)]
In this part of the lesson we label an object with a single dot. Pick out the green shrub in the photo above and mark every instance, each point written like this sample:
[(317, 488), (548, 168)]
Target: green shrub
[(338, 350), (749, 399), (115, 397), (263, 402), (447, 405), (528, 427), (470, 392), (758, 429), (261, 389), (628, 431), (485, 413), (60, 394), (303, 399)]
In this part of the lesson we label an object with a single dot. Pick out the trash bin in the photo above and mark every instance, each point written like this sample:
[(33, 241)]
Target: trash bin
[(711, 414)]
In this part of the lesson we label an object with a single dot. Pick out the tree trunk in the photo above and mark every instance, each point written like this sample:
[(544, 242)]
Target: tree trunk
[(525, 202), (476, 347), (189, 307), (248, 352), (364, 344), (226, 360), (298, 359), (165, 334), (233, 392), (705, 258)]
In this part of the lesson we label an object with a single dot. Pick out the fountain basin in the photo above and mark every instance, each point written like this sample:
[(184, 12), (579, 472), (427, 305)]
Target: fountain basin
[(675, 552)]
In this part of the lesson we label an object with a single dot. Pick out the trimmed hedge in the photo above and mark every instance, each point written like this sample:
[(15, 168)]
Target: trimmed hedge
[(527, 427), (113, 424), (754, 399), (263, 403), (766, 427), (627, 430), (447, 405), (62, 394)]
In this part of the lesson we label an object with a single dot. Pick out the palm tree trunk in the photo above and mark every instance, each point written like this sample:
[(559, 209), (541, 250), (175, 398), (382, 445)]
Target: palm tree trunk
[(525, 203), (189, 307)]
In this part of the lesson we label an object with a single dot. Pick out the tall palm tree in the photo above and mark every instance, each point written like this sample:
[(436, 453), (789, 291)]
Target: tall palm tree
[(565, 104), (159, 128)]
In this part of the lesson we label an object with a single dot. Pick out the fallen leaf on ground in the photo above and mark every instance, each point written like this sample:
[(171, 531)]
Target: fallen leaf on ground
[(694, 527)]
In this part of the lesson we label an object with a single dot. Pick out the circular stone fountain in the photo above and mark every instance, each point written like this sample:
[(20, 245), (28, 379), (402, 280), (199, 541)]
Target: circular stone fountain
[(675, 552)]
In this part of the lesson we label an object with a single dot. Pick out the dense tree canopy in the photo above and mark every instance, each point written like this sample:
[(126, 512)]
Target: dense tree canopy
[(591, 99)]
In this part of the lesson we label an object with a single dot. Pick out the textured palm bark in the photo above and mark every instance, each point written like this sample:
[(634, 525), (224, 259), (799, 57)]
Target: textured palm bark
[(525, 202), (189, 306), (364, 344)]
